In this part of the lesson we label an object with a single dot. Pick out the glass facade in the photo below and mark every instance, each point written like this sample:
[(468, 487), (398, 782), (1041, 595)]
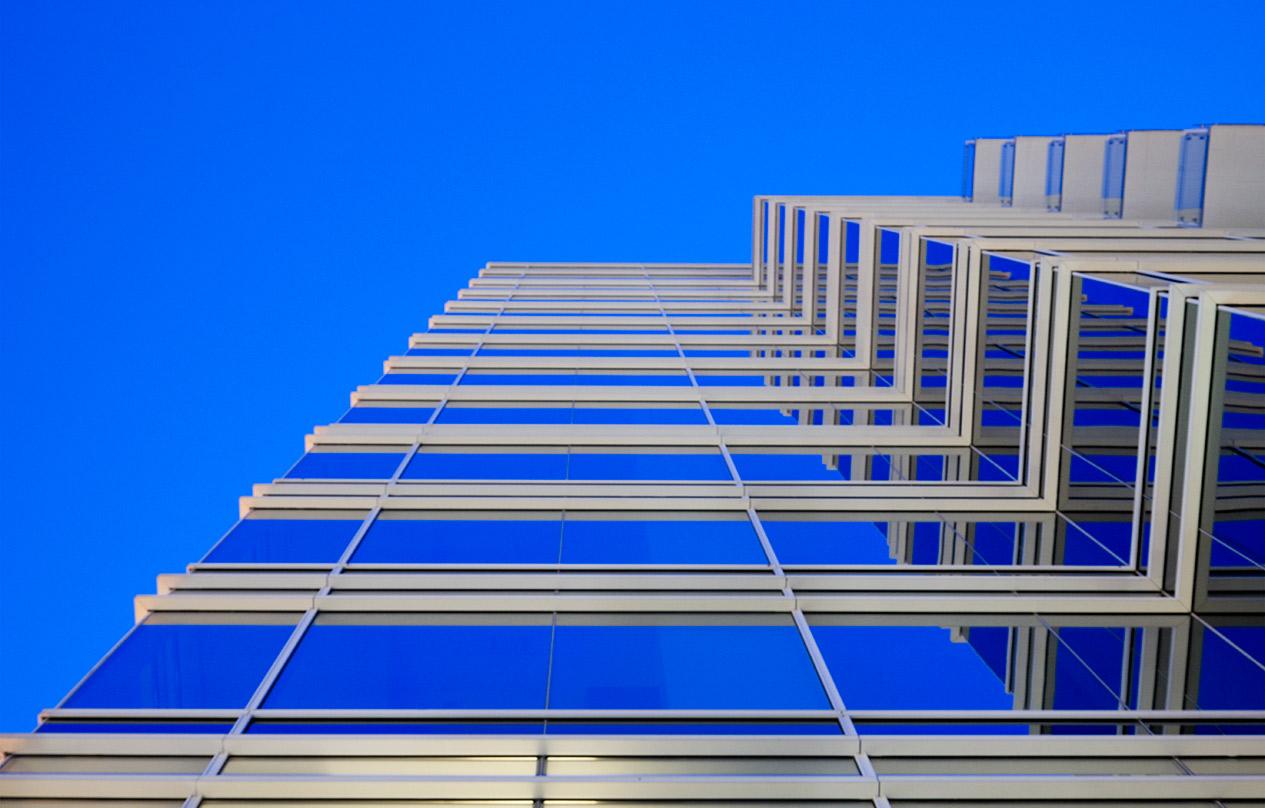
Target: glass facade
[(917, 506)]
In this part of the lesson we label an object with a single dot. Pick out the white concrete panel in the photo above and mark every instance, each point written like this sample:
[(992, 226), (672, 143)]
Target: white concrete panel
[(1234, 186), (1150, 176), (1082, 173)]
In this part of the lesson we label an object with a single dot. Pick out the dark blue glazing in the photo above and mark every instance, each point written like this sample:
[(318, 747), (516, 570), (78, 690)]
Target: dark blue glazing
[(183, 666), (660, 542), (387, 415), (450, 541), (683, 667), (346, 465), (281, 541), (828, 542), (405, 666), (908, 668)]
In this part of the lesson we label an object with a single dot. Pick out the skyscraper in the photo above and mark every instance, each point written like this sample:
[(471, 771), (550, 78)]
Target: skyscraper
[(935, 499)]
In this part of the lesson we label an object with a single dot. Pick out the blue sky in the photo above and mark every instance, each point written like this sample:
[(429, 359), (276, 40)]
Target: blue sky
[(217, 218)]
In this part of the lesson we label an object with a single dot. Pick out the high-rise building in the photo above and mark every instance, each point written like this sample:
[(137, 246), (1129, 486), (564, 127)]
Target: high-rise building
[(936, 499)]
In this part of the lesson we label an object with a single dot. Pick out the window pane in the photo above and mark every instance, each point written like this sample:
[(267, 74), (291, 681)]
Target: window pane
[(908, 668), (346, 465), (180, 727), (294, 541), (694, 728), (479, 466), (451, 541), (660, 542), (504, 415), (629, 380), (729, 381), (439, 351), (418, 378), (186, 666), (387, 415), (657, 415), (756, 417), (709, 466), (828, 542), (683, 667), (389, 727), (573, 352), (389, 667), (789, 467)]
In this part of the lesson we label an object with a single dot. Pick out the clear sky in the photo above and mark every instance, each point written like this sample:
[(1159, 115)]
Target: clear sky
[(217, 218)]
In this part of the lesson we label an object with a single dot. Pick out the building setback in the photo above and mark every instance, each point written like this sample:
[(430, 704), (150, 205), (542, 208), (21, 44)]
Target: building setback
[(936, 499)]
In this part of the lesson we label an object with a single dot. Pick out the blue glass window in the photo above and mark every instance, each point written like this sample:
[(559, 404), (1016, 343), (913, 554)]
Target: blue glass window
[(180, 727), (729, 381), (183, 666), (908, 668), (1230, 677), (504, 415), (683, 667), (1086, 659), (578, 379), (630, 380), (467, 541), (480, 378), (660, 542), (710, 466), (655, 415), (828, 542), (567, 415), (481, 466), (418, 378), (789, 467), (387, 415), (571, 352), (694, 728), (403, 666), (346, 466), (758, 417), (285, 541), (280, 727), (439, 351), (889, 247)]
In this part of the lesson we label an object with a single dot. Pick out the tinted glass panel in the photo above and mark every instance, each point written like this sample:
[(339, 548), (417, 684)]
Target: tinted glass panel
[(659, 415), (788, 467), (384, 667), (186, 666), (908, 668), (828, 542), (683, 667), (180, 727), (756, 417), (648, 467), (295, 541), (504, 415), (418, 378), (387, 415), (729, 381), (477, 466), (346, 465), (660, 542), (471, 541)]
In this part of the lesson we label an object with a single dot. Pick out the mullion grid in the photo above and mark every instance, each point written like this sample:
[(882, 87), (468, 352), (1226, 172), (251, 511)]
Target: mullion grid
[(842, 714), (800, 620)]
